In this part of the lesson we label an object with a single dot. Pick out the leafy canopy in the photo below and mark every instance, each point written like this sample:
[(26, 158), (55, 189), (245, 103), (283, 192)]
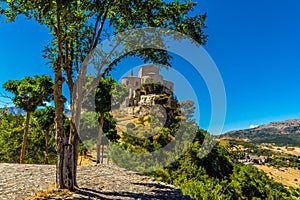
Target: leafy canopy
[(109, 93), (79, 25), (30, 92), (45, 117)]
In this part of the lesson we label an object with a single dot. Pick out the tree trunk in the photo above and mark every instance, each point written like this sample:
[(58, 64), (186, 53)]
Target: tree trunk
[(102, 152), (98, 149), (22, 155), (74, 138), (46, 147), (100, 137), (68, 167), (74, 141), (64, 167), (59, 128)]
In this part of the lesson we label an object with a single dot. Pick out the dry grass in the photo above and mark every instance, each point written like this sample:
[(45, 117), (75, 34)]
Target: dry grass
[(51, 193), (295, 151), (223, 142), (85, 160), (286, 176)]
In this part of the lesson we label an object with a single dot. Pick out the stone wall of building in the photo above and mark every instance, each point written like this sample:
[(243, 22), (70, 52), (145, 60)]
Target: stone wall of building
[(137, 96), (132, 82), (147, 74), (146, 69), (169, 85)]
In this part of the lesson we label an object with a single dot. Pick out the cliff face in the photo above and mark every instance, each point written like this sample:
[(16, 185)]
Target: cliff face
[(142, 99), (283, 133)]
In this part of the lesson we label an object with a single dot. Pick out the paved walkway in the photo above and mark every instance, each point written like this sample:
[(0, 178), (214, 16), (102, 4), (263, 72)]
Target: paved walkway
[(95, 181), (19, 181)]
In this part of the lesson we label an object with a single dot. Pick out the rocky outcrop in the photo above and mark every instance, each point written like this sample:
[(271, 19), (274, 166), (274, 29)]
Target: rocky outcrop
[(147, 100)]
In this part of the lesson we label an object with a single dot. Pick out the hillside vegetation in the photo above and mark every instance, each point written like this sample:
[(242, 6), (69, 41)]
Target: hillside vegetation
[(218, 175), (280, 163)]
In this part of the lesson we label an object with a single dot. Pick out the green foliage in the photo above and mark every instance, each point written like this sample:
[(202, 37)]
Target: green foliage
[(109, 129), (45, 118), (70, 24), (11, 133), (89, 129), (187, 110), (35, 149), (88, 126), (153, 88), (103, 95), (109, 94), (219, 176), (78, 26), (82, 149), (30, 92), (250, 183)]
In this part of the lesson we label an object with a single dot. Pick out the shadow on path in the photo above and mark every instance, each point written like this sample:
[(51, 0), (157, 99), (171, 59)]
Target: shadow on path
[(155, 191)]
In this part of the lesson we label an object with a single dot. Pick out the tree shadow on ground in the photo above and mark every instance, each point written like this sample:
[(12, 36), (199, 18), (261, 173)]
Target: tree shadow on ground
[(155, 191)]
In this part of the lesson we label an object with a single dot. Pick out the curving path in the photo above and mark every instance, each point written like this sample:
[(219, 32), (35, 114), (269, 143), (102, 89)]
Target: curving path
[(96, 182)]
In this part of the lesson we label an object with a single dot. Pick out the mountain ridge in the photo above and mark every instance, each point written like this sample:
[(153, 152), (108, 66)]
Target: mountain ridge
[(13, 110), (285, 132)]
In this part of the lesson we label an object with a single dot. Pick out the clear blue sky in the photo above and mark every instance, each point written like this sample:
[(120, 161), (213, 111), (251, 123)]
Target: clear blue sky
[(255, 45)]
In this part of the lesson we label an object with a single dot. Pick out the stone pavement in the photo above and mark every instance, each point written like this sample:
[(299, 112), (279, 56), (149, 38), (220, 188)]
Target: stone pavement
[(95, 181)]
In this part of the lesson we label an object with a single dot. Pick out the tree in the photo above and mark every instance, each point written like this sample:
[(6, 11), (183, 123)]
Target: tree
[(30, 93), (45, 118), (77, 27), (89, 133), (11, 131), (110, 132), (11, 134), (108, 93), (187, 110)]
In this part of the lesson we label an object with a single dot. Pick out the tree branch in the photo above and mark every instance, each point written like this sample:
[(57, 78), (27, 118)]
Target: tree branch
[(101, 27)]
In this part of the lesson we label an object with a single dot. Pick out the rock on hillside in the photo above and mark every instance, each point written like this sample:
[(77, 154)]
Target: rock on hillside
[(282, 133), (95, 181)]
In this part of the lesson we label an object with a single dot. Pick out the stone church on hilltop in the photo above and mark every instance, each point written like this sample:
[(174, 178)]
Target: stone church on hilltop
[(138, 96)]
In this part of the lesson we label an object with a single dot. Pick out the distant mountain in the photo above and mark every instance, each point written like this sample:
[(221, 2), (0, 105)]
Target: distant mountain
[(14, 110), (281, 133)]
